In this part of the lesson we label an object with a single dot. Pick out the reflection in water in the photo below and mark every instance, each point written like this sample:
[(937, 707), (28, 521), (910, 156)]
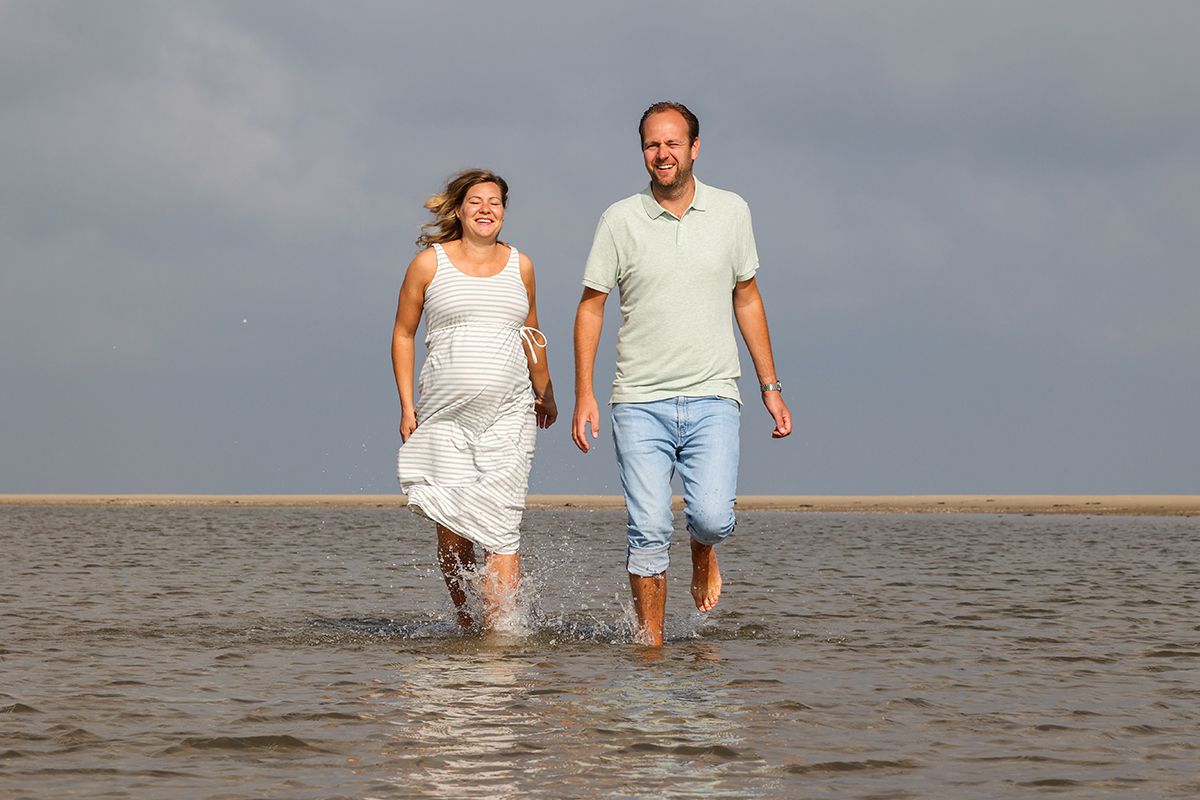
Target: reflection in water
[(464, 722), (503, 717), (679, 728)]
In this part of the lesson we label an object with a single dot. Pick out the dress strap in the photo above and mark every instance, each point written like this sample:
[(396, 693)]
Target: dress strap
[(439, 254)]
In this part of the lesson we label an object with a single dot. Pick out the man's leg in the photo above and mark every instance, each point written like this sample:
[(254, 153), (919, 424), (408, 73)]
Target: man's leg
[(645, 449), (708, 462), (650, 605)]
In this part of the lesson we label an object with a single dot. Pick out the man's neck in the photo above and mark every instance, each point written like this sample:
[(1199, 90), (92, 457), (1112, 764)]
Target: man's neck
[(678, 201)]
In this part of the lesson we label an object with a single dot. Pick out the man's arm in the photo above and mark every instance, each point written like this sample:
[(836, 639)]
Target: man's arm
[(752, 321), (589, 322)]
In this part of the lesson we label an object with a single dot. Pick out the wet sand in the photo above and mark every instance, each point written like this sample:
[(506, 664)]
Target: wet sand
[(1121, 504)]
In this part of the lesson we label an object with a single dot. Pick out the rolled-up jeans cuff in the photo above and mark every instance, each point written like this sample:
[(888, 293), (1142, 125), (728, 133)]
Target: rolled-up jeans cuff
[(648, 561)]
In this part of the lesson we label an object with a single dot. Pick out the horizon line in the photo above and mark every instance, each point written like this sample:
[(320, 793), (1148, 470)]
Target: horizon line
[(963, 503)]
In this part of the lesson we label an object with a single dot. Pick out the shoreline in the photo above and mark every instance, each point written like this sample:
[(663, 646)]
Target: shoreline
[(1122, 504)]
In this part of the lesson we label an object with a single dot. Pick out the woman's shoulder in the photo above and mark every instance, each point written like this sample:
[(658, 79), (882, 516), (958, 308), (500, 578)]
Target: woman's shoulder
[(424, 265)]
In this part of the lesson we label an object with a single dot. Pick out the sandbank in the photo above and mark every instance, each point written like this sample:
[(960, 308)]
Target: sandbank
[(1119, 504)]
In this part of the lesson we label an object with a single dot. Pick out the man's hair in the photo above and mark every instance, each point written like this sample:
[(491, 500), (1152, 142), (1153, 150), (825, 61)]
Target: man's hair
[(667, 105)]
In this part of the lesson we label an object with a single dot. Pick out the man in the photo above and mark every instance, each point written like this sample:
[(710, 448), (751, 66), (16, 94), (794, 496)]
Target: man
[(682, 256)]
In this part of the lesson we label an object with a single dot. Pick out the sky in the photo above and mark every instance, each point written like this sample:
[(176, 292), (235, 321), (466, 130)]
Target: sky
[(977, 226)]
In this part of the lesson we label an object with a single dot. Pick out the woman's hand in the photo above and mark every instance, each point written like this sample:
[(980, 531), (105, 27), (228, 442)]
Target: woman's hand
[(545, 408), (408, 424)]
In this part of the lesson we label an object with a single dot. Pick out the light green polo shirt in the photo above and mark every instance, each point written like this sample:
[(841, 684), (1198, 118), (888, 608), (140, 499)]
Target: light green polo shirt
[(676, 279)]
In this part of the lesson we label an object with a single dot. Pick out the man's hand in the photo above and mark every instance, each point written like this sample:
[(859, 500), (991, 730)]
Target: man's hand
[(779, 412), (586, 411)]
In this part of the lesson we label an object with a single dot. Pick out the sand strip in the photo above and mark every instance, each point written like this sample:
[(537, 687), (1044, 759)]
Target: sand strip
[(1129, 504)]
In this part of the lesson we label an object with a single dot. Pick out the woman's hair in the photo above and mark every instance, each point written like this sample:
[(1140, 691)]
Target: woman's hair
[(444, 206)]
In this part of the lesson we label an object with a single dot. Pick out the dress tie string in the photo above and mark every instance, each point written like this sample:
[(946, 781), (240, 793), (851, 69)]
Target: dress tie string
[(530, 336)]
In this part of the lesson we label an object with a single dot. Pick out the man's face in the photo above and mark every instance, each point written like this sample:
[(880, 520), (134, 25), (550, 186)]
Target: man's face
[(668, 154)]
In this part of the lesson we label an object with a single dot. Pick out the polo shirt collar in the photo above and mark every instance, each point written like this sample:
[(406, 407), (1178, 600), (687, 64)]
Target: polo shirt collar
[(654, 210)]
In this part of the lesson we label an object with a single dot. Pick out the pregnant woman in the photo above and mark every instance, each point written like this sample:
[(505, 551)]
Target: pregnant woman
[(468, 443)]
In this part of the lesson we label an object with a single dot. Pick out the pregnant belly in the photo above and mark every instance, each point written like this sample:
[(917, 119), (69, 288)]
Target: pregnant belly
[(485, 378)]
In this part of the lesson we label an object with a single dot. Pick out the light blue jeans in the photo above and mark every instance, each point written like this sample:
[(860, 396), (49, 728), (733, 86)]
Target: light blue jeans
[(696, 436)]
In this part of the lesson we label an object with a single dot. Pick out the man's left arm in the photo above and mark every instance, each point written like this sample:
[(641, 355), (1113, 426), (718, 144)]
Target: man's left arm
[(752, 321)]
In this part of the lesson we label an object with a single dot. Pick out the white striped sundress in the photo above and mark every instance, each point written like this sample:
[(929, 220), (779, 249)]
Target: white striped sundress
[(466, 466)]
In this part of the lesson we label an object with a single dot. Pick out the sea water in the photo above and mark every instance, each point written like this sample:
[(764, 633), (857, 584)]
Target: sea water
[(223, 652)]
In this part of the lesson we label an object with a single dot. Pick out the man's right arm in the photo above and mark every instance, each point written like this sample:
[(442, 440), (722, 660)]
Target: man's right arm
[(589, 322)]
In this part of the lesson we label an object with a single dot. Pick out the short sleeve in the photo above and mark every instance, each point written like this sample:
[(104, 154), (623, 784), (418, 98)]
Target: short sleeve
[(600, 273), (745, 251)]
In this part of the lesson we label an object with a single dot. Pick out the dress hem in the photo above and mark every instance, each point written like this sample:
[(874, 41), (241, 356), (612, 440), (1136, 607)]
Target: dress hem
[(420, 510)]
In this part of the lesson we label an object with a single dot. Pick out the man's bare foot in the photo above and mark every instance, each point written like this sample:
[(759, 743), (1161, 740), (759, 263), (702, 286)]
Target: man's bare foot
[(706, 577), (464, 619)]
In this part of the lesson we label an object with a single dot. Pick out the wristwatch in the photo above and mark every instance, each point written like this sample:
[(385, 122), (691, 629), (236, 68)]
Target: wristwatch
[(770, 387)]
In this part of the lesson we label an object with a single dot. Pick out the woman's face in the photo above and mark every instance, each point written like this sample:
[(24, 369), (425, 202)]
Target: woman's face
[(482, 211)]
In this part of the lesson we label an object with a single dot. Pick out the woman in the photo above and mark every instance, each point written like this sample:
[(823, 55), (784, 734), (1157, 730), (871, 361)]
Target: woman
[(468, 444)]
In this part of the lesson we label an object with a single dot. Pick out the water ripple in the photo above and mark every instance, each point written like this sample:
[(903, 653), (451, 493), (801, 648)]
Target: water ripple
[(310, 653)]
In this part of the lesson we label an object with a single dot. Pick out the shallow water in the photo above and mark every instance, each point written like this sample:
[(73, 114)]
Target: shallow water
[(311, 653)]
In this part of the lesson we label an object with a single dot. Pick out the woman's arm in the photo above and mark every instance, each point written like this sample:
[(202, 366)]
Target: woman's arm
[(539, 372), (408, 316)]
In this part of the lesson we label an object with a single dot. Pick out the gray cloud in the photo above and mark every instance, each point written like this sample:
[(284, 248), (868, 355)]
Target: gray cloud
[(976, 224)]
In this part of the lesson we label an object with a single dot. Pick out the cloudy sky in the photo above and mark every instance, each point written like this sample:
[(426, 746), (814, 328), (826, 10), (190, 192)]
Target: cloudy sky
[(978, 226)]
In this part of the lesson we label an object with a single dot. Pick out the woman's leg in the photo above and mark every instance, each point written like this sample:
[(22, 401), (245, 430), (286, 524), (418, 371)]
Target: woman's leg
[(456, 556), (501, 579)]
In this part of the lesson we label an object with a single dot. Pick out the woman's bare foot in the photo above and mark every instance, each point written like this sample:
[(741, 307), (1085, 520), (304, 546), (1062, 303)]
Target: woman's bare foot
[(706, 577)]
